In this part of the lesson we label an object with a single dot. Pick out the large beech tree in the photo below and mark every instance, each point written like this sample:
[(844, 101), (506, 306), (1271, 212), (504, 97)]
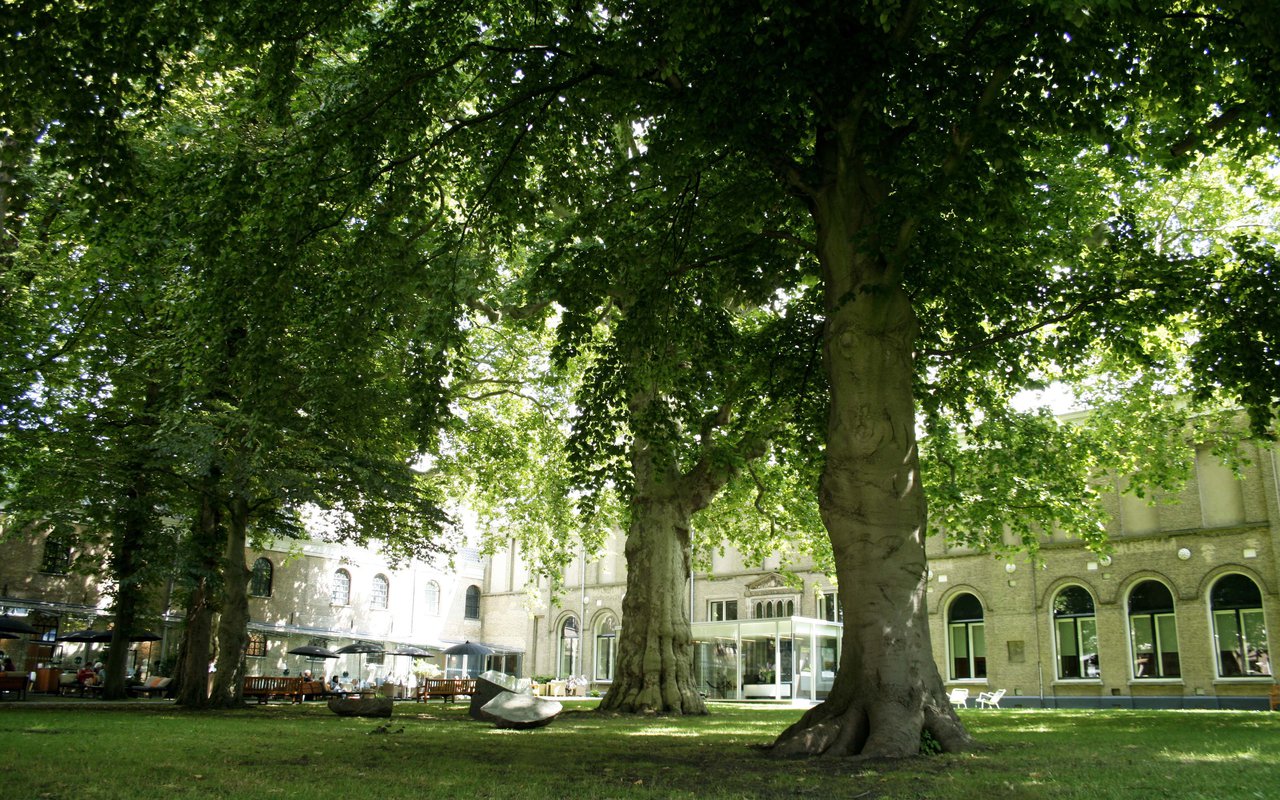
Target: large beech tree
[(914, 135), (931, 154)]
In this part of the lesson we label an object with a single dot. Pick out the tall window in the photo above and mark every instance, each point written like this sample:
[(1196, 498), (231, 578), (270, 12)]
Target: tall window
[(966, 638), (722, 610), (1239, 631), (1153, 631), (606, 647), (256, 645), (57, 556), (829, 607), (570, 647), (472, 609), (432, 597), (341, 592), (260, 580), (1076, 633), (380, 591)]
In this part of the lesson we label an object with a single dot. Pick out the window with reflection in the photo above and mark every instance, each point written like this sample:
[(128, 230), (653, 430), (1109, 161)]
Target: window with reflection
[(471, 609), (379, 592), (260, 580), (722, 610), (966, 638), (1153, 631), (340, 593), (829, 607), (570, 647), (1075, 630), (606, 647), (432, 597), (1239, 629)]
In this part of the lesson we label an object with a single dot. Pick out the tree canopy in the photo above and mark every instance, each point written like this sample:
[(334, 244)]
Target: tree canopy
[(802, 229)]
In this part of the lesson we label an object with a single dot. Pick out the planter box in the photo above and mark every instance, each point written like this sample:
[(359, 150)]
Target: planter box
[(769, 690)]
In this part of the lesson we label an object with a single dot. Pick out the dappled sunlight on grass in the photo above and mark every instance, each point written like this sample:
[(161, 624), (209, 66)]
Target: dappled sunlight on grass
[(1223, 757), (660, 731), (442, 752)]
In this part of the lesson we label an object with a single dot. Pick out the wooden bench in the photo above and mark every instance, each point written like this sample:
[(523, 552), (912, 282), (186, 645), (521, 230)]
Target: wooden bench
[(265, 687), (15, 682), (446, 688)]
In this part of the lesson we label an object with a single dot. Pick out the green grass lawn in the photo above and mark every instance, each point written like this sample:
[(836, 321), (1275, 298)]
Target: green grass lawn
[(143, 750)]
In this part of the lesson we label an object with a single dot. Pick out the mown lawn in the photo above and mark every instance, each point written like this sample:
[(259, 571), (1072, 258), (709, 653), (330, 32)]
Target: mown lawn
[(143, 750)]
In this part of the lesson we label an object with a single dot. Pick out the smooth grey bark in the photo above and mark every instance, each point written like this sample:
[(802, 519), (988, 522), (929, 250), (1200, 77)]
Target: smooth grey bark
[(654, 670), (887, 691)]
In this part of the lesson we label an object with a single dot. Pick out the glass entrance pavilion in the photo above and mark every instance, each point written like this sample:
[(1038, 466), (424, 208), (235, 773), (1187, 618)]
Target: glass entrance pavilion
[(785, 658)]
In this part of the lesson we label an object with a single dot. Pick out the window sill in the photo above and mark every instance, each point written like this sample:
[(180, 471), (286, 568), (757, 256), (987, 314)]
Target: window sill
[(1156, 682), (1246, 680), (1077, 682), (968, 681)]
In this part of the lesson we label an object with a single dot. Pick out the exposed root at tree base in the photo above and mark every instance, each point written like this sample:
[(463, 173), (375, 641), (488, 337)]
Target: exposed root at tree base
[(849, 733)]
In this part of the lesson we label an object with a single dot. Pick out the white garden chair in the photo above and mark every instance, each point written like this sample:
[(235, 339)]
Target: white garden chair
[(989, 699), (959, 697)]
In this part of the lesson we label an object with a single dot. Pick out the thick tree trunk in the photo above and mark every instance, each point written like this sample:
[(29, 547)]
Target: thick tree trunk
[(654, 672), (125, 606), (887, 691), (233, 624), (203, 563)]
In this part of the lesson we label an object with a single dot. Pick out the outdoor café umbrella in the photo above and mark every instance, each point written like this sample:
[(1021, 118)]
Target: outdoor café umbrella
[(467, 651), (86, 635), (10, 624), (313, 652), (145, 636), (361, 648), (410, 650)]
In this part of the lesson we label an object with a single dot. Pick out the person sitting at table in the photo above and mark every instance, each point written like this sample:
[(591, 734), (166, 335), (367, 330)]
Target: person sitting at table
[(86, 676), (334, 684), (8, 665)]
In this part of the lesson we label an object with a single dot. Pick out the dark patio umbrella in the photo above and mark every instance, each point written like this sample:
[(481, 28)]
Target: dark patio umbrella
[(10, 624), (145, 636), (467, 651), (312, 652), (362, 648), (86, 635), (410, 650)]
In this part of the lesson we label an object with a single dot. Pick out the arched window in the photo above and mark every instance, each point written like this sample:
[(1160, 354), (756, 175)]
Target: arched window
[(570, 647), (1153, 631), (340, 594), (260, 580), (1075, 634), (472, 609), (432, 597), (1239, 631), (966, 638), (606, 647), (380, 591)]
